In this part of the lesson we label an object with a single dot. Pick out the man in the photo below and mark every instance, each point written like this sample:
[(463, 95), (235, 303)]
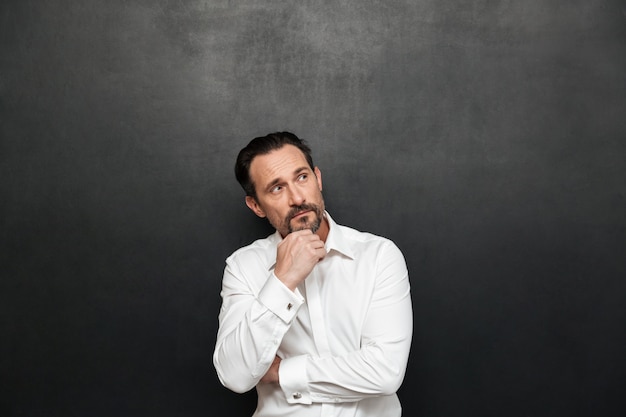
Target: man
[(317, 316)]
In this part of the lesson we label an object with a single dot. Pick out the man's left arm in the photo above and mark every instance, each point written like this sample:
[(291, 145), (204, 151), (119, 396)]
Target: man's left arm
[(378, 367)]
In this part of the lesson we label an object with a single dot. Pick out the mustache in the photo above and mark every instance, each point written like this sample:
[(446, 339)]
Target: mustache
[(304, 207)]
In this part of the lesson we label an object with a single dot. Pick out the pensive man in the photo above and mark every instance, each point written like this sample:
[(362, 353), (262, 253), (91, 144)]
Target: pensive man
[(316, 316)]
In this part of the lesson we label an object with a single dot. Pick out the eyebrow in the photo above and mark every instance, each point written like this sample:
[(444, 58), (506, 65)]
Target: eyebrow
[(279, 180)]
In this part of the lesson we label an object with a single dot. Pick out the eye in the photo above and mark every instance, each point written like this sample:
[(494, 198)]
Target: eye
[(302, 177), (276, 189)]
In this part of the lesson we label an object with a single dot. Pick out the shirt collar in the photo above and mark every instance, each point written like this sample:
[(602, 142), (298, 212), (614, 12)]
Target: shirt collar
[(335, 241)]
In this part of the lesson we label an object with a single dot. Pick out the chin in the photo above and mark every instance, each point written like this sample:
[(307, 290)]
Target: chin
[(313, 226)]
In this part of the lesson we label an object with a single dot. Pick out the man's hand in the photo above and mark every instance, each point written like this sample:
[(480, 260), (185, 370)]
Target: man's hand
[(271, 376), (296, 256)]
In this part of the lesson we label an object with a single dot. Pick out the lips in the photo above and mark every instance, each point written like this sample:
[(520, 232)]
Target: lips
[(300, 213)]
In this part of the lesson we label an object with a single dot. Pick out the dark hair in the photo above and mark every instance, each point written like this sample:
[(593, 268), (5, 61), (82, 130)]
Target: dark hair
[(262, 146)]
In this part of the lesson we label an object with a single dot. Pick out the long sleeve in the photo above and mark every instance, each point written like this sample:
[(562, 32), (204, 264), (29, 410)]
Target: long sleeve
[(252, 322), (377, 367)]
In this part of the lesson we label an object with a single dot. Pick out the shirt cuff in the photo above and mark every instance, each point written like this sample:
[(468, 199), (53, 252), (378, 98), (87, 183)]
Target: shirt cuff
[(279, 299), (293, 380)]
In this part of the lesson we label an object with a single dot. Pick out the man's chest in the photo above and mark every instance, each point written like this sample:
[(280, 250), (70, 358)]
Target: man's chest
[(337, 296)]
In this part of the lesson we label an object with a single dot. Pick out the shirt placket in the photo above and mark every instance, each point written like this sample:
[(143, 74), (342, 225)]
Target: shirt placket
[(318, 326), (316, 312)]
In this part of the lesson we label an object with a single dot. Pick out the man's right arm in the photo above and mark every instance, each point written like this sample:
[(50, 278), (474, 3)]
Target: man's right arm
[(254, 317), (251, 327)]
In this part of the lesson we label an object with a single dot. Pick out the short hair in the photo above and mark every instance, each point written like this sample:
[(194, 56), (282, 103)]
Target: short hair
[(262, 146)]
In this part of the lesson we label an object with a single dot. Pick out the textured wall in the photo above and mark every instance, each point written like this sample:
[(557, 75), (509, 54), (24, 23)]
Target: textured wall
[(486, 138)]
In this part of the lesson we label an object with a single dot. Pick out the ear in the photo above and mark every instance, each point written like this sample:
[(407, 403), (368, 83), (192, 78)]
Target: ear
[(318, 174), (254, 206)]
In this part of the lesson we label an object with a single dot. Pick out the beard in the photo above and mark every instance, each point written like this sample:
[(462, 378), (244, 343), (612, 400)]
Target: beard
[(304, 223)]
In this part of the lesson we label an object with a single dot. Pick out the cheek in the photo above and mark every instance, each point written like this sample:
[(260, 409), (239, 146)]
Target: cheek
[(317, 196), (275, 214)]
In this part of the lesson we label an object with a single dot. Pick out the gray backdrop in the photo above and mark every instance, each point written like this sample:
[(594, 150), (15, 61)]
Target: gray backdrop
[(486, 138)]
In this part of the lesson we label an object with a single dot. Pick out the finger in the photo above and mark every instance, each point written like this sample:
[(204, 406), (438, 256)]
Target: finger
[(304, 239), (302, 232), (299, 234), (318, 245)]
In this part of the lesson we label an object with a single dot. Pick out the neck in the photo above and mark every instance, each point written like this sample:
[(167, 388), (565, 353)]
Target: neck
[(322, 232)]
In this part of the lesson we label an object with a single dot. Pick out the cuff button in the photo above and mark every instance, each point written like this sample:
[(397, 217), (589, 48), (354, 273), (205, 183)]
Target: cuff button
[(297, 395)]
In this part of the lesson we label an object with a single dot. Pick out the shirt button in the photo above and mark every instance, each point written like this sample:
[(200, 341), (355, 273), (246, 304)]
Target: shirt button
[(297, 395), (289, 306)]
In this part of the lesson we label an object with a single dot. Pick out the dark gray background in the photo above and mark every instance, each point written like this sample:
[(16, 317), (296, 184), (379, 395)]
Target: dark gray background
[(486, 138)]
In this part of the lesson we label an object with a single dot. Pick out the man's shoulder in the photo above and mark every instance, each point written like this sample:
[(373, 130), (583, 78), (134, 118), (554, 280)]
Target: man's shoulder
[(370, 249), (358, 235), (364, 239), (259, 247)]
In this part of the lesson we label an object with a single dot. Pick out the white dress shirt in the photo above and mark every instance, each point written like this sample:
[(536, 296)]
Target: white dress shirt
[(343, 335)]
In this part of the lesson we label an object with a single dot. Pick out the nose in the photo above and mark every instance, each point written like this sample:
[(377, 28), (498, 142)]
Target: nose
[(296, 197)]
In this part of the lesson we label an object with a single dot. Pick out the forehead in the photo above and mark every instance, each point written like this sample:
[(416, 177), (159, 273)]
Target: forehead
[(278, 163)]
